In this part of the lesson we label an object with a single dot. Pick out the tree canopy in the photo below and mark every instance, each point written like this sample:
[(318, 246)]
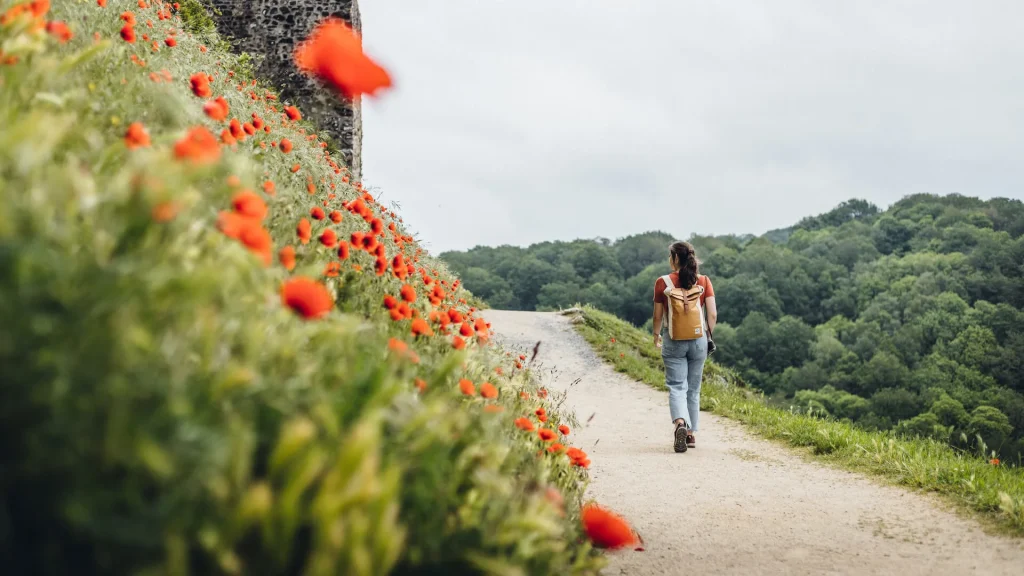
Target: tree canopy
[(909, 318)]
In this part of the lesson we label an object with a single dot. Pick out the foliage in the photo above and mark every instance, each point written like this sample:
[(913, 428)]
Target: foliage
[(921, 461), (926, 297), (195, 14), (162, 411)]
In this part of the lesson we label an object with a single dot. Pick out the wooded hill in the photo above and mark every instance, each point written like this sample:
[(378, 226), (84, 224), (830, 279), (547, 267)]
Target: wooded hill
[(908, 318)]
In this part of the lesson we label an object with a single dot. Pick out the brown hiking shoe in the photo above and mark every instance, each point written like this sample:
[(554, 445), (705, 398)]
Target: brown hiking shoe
[(682, 433)]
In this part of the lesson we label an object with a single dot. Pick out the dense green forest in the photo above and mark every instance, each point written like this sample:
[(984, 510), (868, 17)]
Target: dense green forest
[(909, 319)]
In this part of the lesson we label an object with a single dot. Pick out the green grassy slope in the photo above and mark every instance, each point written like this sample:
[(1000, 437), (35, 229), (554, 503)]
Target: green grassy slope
[(972, 482), (163, 410)]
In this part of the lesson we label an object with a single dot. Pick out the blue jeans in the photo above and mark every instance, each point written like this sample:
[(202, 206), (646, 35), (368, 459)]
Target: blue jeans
[(684, 368)]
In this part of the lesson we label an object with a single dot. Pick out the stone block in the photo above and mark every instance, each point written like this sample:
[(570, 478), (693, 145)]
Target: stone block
[(270, 30)]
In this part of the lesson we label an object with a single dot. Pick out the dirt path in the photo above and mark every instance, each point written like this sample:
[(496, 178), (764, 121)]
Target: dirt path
[(739, 504)]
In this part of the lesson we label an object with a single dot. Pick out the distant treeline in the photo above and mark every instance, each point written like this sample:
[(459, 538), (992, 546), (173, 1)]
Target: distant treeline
[(908, 319)]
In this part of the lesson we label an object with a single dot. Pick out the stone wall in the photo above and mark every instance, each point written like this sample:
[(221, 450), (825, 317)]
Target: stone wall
[(270, 30)]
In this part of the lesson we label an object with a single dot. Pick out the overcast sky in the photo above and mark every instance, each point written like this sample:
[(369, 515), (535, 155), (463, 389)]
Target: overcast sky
[(514, 122)]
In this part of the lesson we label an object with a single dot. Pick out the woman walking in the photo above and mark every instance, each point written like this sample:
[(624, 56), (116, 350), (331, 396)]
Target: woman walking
[(686, 301)]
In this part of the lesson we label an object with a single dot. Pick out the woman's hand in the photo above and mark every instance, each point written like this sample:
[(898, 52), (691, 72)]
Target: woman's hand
[(657, 340)]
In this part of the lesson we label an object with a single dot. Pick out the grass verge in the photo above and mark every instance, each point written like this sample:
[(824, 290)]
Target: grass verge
[(996, 493)]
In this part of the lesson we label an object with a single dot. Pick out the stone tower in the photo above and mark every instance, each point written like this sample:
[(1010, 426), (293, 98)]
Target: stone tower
[(270, 30)]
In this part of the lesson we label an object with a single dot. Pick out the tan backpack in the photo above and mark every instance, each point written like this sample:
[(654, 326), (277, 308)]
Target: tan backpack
[(685, 313)]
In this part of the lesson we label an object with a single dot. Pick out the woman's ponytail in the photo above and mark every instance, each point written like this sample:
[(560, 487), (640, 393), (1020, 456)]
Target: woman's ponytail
[(689, 266)]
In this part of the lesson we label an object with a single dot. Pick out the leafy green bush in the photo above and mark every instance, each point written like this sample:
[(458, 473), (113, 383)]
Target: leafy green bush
[(162, 411)]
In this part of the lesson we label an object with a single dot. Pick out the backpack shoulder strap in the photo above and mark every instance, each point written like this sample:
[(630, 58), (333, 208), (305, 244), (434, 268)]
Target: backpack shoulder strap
[(668, 282)]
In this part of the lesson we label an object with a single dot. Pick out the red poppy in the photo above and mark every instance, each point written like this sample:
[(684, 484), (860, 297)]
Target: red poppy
[(231, 224), (170, 42), (328, 238), (101, 3), (249, 128), (494, 408), (200, 85), (524, 424), (198, 146), (293, 113), (332, 269), (129, 18), (285, 145), (605, 528), (466, 387), (408, 293), (217, 109), (39, 8), (236, 129), (306, 297), (465, 329), (317, 213), (578, 457), (164, 211), (556, 448), (390, 302), (357, 239), (458, 343), (488, 390), (421, 328), (269, 187), (396, 345), (304, 231), (136, 136), (564, 430), (342, 250), (59, 30), (257, 240), (249, 204), (334, 54), (547, 434), (287, 257)]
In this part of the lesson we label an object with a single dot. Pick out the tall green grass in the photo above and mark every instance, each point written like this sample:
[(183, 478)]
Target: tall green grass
[(967, 480), (161, 410)]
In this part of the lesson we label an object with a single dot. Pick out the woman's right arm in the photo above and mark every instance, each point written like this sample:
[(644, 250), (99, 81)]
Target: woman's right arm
[(659, 311)]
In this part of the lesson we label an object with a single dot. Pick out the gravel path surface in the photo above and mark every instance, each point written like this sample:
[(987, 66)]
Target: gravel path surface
[(738, 504)]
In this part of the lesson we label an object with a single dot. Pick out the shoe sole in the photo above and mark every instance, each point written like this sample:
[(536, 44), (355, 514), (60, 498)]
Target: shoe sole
[(680, 443)]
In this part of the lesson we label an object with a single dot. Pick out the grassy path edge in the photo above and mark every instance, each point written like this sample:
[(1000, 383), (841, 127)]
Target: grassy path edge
[(994, 495)]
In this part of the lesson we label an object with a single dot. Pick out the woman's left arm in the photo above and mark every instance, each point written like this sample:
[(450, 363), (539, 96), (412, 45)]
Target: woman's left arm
[(712, 309)]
